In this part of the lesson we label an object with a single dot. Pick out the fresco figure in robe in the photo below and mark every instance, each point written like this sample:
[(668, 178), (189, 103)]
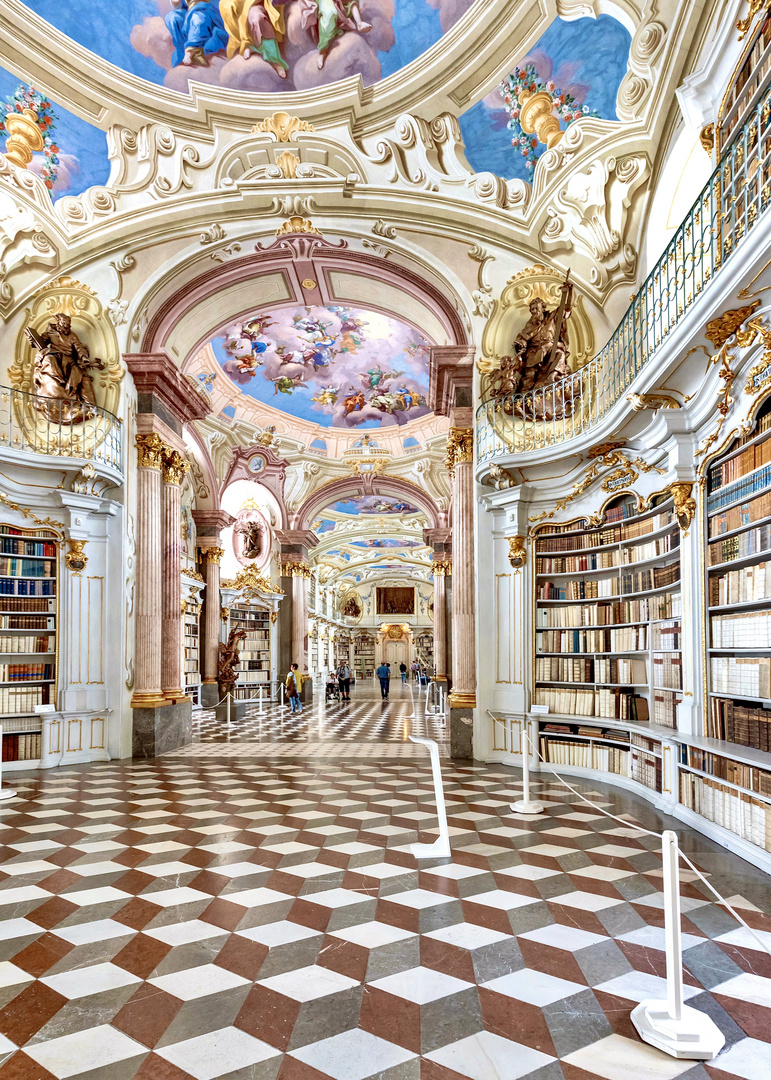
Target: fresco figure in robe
[(326, 20), (197, 31), (256, 26)]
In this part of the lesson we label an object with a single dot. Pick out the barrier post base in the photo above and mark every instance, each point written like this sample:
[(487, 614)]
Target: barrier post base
[(694, 1036), (8, 793), (527, 806)]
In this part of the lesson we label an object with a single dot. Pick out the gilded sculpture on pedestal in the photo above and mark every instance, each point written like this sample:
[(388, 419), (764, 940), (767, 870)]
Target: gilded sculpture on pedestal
[(61, 371)]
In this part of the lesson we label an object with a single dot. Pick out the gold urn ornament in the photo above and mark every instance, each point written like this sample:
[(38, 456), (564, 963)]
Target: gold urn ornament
[(537, 118), (24, 137)]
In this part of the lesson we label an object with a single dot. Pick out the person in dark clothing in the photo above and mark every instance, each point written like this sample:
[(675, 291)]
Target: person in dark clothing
[(384, 674), (403, 671)]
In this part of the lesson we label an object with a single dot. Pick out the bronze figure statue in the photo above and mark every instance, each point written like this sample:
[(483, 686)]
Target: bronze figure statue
[(61, 373), (229, 657)]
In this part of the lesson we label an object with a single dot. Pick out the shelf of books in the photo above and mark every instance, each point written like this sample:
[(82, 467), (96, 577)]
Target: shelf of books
[(424, 647), (28, 639), (364, 655), (718, 783), (254, 669), (748, 86), (608, 639), (192, 646), (342, 647)]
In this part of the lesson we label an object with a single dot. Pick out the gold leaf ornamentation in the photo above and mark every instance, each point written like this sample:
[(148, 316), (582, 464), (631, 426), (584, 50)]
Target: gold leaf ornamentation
[(518, 551), (297, 224), (282, 125), (150, 450), (460, 448)]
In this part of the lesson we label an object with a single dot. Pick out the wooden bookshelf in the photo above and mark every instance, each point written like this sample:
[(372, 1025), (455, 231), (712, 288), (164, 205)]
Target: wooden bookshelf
[(364, 655), (607, 615), (28, 639), (254, 669), (191, 646), (424, 645), (342, 647), (747, 86)]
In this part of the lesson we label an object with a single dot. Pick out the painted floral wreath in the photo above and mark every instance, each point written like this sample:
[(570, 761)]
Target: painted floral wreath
[(564, 104), (25, 97)]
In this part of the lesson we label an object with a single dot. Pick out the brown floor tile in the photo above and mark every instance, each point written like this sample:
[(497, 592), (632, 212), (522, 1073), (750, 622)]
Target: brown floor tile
[(52, 912), (222, 913), (42, 954), (157, 1068), (21, 1067), (141, 956), (515, 1020), (147, 1015), (268, 1016), (133, 882), (137, 913), (59, 881), (242, 957), (29, 1012)]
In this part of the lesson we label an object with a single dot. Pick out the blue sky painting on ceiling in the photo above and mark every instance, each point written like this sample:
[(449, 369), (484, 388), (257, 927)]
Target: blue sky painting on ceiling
[(374, 504), (335, 366), (77, 151), (584, 61), (257, 45), (323, 525), (390, 542)]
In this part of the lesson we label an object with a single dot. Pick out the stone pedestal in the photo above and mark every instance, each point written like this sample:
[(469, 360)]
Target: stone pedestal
[(237, 712), (158, 730)]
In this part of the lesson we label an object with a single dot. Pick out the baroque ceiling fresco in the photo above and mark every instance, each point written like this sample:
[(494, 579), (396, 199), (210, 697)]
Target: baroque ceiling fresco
[(255, 45), (335, 366), (580, 64)]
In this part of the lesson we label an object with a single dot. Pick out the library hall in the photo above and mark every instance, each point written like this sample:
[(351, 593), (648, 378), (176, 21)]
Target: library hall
[(385, 540)]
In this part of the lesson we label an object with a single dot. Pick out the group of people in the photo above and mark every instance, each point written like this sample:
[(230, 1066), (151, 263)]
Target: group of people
[(339, 681)]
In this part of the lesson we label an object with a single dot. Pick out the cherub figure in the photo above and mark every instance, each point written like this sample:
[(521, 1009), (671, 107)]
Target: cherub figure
[(327, 396), (326, 20)]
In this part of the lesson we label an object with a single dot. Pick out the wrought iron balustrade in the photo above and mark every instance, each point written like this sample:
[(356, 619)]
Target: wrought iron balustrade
[(729, 206), (63, 429)]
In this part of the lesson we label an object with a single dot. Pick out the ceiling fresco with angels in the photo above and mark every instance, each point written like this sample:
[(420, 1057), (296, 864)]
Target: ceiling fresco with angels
[(255, 45), (578, 65), (334, 366)]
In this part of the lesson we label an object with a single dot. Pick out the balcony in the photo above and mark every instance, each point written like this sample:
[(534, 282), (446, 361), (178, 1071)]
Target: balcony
[(69, 431), (728, 208)]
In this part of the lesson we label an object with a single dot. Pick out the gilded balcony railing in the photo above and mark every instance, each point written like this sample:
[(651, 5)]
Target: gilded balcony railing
[(728, 207), (62, 429)]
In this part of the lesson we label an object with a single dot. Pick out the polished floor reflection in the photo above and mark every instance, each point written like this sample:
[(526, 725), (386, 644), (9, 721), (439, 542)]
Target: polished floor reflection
[(258, 917)]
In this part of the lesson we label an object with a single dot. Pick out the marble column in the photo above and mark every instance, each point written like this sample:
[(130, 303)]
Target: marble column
[(300, 574), (211, 557), (441, 663), (174, 469), (460, 458), (149, 567)]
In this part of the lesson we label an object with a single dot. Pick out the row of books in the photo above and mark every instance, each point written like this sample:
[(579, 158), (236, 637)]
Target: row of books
[(620, 671), (255, 676), (582, 755), (553, 669), (27, 587), (736, 811), (668, 670), (613, 704), (741, 630), (258, 635), (741, 586), (601, 537), (605, 734), (753, 74), (644, 743), (190, 664), (742, 676), (22, 747), (25, 672), (619, 639), (578, 590), (27, 622), (753, 542), (598, 614), (258, 654), (27, 643), (740, 724), (740, 490), (23, 699), (747, 513), (665, 708), (27, 568), (39, 548), (740, 465), (576, 564), (667, 636), (190, 642), (651, 578), (28, 605), (723, 768), (645, 769)]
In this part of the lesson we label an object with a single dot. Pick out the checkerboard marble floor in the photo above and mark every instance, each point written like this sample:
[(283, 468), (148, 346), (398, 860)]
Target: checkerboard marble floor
[(259, 918)]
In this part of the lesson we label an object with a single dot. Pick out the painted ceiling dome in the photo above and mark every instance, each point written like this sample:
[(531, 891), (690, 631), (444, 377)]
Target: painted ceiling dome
[(335, 366), (255, 45)]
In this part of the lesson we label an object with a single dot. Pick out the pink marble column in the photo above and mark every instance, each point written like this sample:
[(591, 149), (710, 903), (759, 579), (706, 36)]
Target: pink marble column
[(300, 574), (211, 615), (174, 468), (441, 569), (149, 567), (460, 462)]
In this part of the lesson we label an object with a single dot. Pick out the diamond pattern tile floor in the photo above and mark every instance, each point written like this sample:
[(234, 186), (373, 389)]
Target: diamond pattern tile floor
[(257, 915)]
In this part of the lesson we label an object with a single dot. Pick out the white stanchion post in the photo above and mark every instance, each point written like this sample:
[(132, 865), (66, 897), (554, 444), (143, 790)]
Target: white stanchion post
[(440, 849), (526, 805), (671, 1025), (261, 707), (284, 705), (229, 722)]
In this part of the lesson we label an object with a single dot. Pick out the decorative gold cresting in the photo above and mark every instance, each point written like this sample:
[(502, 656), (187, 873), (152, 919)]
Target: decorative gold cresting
[(282, 125), (47, 523), (719, 330), (685, 504), (75, 558), (743, 25), (653, 401), (174, 466), (518, 551), (288, 163), (212, 554), (707, 138), (150, 450), (460, 448), (251, 578), (297, 224)]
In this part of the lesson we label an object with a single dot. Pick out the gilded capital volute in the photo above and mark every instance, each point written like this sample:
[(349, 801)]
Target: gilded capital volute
[(212, 554), (442, 569), (174, 466), (297, 569), (150, 449), (460, 448)]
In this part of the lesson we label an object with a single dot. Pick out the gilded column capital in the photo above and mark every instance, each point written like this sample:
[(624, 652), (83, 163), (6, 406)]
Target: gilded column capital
[(174, 466), (442, 569), (460, 448), (150, 449), (296, 569), (212, 554)]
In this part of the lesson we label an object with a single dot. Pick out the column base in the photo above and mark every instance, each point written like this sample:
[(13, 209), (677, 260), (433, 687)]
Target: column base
[(210, 695), (162, 728), (461, 732), (152, 700)]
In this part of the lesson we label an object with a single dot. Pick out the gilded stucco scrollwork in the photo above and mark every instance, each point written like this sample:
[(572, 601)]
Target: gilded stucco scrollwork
[(150, 451), (174, 466), (283, 126), (719, 332), (460, 448), (518, 551), (685, 504)]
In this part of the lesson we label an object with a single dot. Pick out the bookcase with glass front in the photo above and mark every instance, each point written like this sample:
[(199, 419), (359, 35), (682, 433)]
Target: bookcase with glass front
[(28, 639), (608, 656), (727, 778)]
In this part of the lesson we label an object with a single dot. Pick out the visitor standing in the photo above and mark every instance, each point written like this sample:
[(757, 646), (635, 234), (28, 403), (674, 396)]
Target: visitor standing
[(414, 669), (293, 687), (344, 681), (384, 674), (403, 671)]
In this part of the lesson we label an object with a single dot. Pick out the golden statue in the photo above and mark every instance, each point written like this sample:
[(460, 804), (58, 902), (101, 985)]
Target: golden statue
[(61, 373)]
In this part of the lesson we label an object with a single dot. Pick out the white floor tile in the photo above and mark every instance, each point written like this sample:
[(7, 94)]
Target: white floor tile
[(421, 985), (619, 1058), (535, 987), (198, 982), (228, 1050), (83, 1051), (486, 1056), (308, 983), (353, 1055), (83, 982)]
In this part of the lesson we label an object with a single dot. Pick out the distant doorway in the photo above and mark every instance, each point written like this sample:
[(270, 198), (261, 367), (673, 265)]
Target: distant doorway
[(395, 653)]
